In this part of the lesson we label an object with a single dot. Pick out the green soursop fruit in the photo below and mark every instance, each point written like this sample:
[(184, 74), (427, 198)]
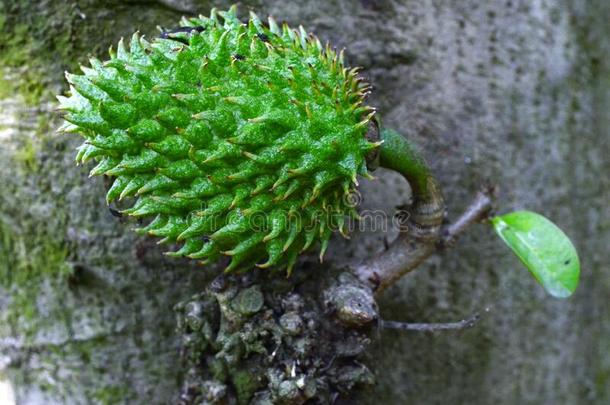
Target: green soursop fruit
[(239, 139)]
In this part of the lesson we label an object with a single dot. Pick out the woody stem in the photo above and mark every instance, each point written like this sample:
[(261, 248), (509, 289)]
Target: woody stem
[(423, 233)]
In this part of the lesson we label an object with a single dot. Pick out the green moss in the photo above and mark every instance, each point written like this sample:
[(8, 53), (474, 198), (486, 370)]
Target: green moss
[(26, 261), (114, 394), (6, 88), (26, 154), (245, 384), (23, 258), (17, 50), (53, 36), (28, 145)]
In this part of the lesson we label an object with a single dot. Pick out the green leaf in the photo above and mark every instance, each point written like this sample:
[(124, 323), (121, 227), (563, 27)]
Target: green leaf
[(544, 249)]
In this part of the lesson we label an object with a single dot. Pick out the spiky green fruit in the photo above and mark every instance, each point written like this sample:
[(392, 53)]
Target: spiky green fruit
[(241, 139)]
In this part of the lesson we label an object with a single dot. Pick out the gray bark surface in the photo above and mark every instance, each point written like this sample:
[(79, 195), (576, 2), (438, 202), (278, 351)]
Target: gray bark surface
[(512, 92)]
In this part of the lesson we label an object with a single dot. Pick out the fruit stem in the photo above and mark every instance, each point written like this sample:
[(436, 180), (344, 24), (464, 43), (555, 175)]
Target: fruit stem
[(398, 154), (428, 207), (424, 233)]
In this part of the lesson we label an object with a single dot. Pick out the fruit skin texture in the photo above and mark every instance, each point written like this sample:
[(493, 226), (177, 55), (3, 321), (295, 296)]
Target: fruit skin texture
[(240, 139)]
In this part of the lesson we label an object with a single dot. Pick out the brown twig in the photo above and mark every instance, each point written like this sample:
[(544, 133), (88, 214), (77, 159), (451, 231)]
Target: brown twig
[(477, 211), (433, 327), (408, 251)]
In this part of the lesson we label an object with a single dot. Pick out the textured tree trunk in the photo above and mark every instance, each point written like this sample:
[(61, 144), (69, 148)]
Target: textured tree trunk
[(512, 92)]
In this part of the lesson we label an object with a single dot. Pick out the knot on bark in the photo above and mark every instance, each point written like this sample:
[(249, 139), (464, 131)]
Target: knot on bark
[(258, 340)]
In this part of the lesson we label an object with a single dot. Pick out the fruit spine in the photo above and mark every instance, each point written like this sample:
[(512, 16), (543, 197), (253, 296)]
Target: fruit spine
[(241, 139)]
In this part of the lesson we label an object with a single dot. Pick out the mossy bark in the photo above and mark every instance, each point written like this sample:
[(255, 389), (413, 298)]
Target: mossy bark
[(513, 92)]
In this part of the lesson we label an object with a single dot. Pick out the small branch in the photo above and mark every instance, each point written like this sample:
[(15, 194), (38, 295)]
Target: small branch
[(478, 210), (419, 239), (407, 252), (432, 327), (424, 233)]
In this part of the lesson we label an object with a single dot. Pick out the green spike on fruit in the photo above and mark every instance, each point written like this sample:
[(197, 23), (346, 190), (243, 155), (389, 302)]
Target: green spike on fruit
[(239, 139)]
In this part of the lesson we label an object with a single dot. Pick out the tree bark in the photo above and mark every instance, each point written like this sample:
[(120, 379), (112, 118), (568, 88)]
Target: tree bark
[(512, 92)]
